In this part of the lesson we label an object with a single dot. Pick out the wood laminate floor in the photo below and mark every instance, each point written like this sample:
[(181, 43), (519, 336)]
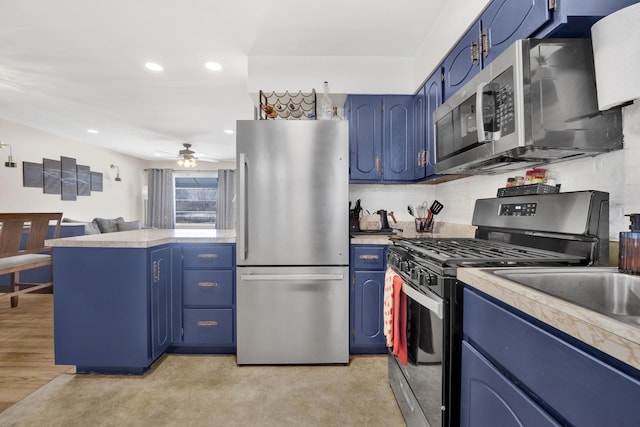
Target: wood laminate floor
[(26, 347)]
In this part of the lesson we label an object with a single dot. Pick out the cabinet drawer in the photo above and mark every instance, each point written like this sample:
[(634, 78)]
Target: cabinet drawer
[(585, 390), (208, 256), (369, 257), (208, 326), (488, 398), (208, 287)]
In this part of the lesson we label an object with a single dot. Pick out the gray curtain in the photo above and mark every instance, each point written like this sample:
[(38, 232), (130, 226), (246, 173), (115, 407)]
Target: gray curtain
[(225, 213), (161, 206)]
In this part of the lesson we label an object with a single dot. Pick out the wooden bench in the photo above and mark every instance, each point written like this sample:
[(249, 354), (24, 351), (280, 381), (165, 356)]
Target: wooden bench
[(27, 230)]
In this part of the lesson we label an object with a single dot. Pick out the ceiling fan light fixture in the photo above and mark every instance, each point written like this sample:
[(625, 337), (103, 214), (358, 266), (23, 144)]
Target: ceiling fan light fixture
[(188, 159)]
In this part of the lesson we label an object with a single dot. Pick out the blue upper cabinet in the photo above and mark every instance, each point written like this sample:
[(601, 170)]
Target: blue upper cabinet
[(365, 137), (419, 134), (398, 149), (574, 18), (505, 21), (433, 100), (463, 61), (380, 138)]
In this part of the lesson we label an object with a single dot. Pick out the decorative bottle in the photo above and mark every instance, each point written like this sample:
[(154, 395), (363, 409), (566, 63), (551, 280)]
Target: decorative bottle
[(325, 109), (334, 114)]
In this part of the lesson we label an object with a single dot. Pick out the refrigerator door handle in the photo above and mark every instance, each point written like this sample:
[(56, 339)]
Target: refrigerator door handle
[(291, 277), (242, 206)]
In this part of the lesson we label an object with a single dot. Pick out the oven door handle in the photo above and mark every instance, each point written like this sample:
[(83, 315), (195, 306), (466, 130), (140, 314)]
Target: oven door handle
[(430, 301)]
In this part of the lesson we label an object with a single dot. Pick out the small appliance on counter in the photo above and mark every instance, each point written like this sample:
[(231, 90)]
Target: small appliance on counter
[(629, 255)]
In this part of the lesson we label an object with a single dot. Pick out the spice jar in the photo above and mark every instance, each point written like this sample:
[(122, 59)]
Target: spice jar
[(538, 176)]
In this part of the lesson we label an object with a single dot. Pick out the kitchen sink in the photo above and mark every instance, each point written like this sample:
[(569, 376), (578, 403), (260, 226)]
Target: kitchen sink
[(604, 290)]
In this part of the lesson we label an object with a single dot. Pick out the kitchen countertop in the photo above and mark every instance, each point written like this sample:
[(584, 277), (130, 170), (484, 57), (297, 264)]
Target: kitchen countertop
[(617, 339), (440, 230), (146, 238)]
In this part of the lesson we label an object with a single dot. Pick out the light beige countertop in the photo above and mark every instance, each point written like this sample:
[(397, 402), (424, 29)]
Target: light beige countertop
[(145, 238), (440, 230), (608, 335)]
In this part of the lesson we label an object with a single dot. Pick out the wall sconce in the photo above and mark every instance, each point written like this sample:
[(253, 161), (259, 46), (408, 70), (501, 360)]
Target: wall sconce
[(9, 163), (117, 172)]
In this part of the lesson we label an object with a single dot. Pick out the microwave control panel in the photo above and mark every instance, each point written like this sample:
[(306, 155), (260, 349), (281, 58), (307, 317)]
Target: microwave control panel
[(518, 209), (504, 102)]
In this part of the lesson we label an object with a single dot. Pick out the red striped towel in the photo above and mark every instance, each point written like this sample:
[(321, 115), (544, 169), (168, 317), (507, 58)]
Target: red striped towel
[(388, 306)]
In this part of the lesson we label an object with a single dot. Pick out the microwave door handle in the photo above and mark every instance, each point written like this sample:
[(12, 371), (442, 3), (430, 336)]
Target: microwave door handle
[(482, 135)]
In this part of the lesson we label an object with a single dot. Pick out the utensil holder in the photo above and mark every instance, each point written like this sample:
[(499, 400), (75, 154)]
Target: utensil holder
[(424, 225)]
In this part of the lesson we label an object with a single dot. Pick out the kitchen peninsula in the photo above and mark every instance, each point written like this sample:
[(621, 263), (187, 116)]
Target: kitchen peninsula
[(122, 299)]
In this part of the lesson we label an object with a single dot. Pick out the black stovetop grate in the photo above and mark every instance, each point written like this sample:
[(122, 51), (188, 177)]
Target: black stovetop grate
[(453, 251)]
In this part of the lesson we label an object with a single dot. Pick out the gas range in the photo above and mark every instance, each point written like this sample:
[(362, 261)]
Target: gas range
[(564, 229)]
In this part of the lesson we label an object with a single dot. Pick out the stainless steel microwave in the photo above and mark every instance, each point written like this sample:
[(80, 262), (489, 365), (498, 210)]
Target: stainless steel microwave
[(535, 103)]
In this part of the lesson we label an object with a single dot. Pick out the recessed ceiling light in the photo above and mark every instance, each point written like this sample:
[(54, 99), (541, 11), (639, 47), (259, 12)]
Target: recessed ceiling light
[(153, 66), (229, 131), (92, 131), (213, 66)]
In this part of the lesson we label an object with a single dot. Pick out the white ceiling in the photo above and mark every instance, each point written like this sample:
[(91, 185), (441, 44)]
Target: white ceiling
[(71, 65)]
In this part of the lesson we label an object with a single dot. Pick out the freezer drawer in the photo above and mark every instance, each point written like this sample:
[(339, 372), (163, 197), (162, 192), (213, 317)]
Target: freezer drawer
[(292, 315)]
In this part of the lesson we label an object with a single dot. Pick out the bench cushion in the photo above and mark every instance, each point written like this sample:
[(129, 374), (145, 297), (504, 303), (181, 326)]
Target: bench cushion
[(22, 260)]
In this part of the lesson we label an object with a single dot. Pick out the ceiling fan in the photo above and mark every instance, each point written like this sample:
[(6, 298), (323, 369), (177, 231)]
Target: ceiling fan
[(186, 157)]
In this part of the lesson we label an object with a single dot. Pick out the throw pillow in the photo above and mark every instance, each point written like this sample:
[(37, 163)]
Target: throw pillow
[(108, 225), (128, 225), (91, 228)]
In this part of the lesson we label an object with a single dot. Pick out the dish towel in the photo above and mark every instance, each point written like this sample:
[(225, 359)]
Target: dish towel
[(387, 304), (399, 321)]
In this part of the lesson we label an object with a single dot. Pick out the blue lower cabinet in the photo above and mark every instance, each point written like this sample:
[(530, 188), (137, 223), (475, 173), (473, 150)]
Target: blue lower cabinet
[(208, 326), (160, 300), (488, 398), (204, 302), (573, 382), (111, 308), (368, 265), (117, 310)]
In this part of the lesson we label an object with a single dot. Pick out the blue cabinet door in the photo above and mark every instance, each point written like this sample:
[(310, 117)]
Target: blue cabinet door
[(463, 61), (574, 18), (160, 275), (419, 134), (398, 149), (433, 100), (367, 305), (365, 138), (488, 398), (505, 21)]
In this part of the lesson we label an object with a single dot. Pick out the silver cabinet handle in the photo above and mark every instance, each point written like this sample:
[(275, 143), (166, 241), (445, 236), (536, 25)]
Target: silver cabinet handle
[(207, 323), (208, 256), (208, 284)]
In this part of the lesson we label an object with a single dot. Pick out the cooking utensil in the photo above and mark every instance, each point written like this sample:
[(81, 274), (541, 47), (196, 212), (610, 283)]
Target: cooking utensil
[(436, 207), (422, 210)]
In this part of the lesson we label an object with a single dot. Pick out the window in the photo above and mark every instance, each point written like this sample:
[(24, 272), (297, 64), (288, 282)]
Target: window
[(196, 200)]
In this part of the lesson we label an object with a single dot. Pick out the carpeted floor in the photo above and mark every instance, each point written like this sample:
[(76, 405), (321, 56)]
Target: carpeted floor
[(205, 390)]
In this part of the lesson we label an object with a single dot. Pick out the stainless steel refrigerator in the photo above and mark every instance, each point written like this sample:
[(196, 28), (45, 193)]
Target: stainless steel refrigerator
[(292, 248)]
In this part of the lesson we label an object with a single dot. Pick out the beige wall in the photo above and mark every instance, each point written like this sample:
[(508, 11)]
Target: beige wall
[(31, 145)]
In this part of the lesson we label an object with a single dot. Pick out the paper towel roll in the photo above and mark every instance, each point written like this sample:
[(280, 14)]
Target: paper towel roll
[(616, 55)]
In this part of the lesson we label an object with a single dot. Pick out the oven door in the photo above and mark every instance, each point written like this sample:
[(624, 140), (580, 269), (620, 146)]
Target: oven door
[(418, 386)]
